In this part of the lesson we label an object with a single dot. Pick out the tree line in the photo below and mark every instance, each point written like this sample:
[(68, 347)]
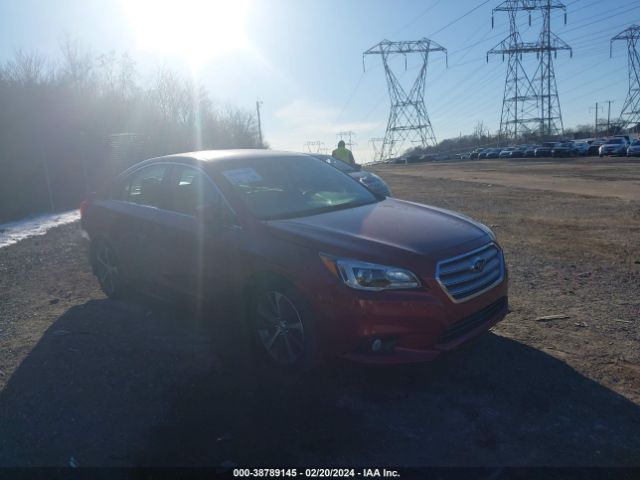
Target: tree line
[(65, 128)]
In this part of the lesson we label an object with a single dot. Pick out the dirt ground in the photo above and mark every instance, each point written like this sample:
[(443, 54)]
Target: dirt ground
[(94, 382)]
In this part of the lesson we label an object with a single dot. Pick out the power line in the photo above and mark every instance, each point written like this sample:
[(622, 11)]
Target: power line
[(453, 22), (418, 17), (353, 92)]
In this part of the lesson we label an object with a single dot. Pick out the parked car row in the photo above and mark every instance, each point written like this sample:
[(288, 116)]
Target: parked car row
[(616, 145), (419, 158)]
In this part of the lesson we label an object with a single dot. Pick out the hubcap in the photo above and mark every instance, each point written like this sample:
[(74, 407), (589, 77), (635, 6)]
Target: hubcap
[(280, 328), (107, 269)]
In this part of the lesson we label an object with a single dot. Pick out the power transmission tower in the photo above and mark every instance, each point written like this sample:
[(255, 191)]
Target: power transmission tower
[(520, 104), (347, 137), (408, 123), (550, 113), (522, 90), (630, 114), (314, 147), (376, 145)]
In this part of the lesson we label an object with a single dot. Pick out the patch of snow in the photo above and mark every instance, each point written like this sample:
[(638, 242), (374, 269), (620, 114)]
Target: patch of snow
[(13, 232)]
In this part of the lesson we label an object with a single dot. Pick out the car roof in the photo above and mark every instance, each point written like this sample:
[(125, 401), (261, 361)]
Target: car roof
[(236, 154), (213, 156)]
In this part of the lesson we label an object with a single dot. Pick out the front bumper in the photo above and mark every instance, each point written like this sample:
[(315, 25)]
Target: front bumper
[(420, 325)]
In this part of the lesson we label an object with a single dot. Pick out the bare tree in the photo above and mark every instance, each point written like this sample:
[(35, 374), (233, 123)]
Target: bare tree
[(26, 68), (60, 123), (480, 131), (77, 65)]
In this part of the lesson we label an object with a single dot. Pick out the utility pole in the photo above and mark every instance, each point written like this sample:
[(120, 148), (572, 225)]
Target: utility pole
[(630, 114), (595, 128), (43, 156), (408, 124), (609, 116), (258, 104)]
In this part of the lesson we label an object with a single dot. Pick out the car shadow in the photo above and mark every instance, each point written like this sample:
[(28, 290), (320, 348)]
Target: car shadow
[(142, 383)]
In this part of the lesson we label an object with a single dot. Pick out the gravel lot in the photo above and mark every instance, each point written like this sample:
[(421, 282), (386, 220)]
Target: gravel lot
[(95, 382)]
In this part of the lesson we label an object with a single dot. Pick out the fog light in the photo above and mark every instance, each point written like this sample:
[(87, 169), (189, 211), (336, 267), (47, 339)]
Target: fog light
[(376, 345)]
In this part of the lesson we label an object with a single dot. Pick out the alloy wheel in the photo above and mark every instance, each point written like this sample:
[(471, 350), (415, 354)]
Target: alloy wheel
[(280, 328), (107, 270)]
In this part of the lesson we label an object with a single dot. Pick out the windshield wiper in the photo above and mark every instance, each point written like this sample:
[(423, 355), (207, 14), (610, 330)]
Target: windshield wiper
[(320, 210)]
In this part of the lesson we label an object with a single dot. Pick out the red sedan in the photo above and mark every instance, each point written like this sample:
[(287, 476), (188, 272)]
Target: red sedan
[(321, 265)]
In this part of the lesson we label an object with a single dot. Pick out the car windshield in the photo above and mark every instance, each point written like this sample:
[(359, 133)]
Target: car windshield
[(339, 164), (287, 187), (635, 142), (549, 144), (614, 141)]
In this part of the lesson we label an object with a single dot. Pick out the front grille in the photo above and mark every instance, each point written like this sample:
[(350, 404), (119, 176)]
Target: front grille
[(471, 274), (466, 325)]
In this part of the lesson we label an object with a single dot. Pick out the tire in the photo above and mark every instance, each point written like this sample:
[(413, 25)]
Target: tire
[(282, 327), (107, 270)]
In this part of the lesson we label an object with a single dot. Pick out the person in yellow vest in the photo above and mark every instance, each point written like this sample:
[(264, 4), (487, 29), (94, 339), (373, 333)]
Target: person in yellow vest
[(344, 154)]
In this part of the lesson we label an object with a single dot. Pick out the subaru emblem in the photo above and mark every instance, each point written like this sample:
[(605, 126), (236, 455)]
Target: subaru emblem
[(478, 265)]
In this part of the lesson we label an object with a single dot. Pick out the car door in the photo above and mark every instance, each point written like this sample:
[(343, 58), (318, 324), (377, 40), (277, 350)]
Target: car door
[(137, 213), (201, 239)]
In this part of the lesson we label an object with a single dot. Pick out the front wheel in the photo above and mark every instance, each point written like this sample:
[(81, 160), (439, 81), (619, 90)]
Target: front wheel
[(283, 327)]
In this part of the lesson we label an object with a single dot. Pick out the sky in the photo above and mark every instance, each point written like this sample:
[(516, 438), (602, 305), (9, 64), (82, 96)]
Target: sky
[(303, 58)]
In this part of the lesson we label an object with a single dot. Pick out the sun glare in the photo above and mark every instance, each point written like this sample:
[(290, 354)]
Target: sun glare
[(196, 30)]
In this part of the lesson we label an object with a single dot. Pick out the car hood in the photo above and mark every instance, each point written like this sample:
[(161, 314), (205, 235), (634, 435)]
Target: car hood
[(382, 229)]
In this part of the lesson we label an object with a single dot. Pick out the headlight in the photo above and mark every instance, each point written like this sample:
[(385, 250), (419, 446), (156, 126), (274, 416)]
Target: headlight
[(369, 276), (487, 230)]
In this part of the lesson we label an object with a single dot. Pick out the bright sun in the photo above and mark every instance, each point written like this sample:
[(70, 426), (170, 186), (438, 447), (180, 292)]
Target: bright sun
[(196, 30)]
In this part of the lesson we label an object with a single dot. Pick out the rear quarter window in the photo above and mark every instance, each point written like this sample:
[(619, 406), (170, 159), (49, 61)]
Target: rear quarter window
[(119, 190)]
